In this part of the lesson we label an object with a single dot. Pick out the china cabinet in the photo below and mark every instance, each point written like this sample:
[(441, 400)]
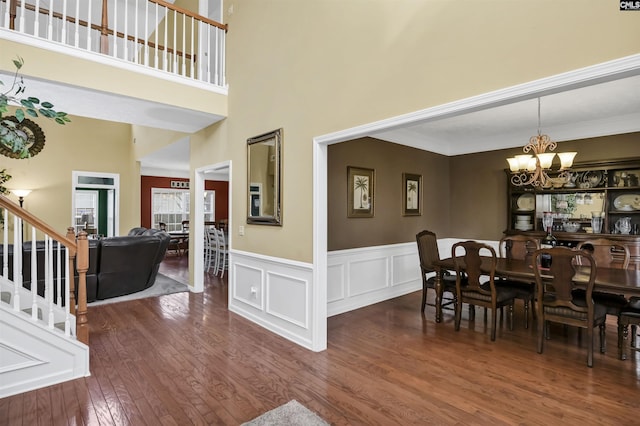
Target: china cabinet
[(608, 191)]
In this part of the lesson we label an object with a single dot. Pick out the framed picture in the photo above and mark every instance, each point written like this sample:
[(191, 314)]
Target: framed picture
[(412, 194), (360, 192)]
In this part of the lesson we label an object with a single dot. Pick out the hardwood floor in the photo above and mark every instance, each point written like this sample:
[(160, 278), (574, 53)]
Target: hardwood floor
[(185, 359)]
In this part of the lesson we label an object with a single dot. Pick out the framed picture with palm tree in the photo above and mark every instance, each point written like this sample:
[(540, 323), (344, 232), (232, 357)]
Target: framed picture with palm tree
[(360, 191), (412, 194)]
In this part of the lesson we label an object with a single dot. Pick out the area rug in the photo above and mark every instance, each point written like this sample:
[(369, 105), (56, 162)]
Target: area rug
[(291, 413), (163, 285)]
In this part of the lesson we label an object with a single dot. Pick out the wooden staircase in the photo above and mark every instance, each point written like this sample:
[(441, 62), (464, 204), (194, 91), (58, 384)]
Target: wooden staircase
[(43, 331)]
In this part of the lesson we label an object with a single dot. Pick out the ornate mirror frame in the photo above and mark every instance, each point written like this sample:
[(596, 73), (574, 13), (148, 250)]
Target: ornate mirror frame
[(264, 177)]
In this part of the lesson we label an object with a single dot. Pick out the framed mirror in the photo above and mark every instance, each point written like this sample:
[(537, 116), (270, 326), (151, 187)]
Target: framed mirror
[(264, 166)]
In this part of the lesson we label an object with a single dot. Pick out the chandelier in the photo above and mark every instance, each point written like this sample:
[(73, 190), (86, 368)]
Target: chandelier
[(532, 170)]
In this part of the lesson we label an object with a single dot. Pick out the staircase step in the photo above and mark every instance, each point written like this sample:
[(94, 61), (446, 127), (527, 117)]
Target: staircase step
[(5, 296)]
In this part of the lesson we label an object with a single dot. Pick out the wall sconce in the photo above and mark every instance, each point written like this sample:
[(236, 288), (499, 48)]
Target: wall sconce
[(21, 194)]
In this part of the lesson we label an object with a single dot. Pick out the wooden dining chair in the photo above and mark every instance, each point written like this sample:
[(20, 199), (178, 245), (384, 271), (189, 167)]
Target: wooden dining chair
[(211, 249), (428, 253), (629, 316), (468, 261), (520, 247), (608, 253), (557, 300)]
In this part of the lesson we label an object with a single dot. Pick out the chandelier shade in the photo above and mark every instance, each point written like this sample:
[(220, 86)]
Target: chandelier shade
[(532, 169)]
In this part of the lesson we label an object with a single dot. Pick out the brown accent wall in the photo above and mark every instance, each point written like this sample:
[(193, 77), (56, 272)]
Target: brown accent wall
[(479, 182), (464, 196), (388, 225), (149, 182)]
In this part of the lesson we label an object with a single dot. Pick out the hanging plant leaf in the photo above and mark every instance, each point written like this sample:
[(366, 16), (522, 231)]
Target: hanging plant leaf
[(21, 137)]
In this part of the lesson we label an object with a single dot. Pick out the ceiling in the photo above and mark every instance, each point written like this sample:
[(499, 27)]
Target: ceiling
[(604, 108)]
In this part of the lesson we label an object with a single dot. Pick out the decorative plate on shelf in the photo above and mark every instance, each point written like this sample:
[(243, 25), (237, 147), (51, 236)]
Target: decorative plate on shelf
[(526, 202), (627, 202), (593, 178)]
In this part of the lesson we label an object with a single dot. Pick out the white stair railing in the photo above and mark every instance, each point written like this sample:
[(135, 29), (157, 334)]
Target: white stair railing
[(43, 288), (151, 33)]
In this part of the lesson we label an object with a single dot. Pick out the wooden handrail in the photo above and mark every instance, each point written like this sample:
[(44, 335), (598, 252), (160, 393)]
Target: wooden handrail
[(224, 27), (35, 222), (78, 250)]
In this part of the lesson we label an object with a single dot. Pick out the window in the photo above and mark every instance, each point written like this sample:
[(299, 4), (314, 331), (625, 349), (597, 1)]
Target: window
[(86, 216), (209, 206), (169, 206)]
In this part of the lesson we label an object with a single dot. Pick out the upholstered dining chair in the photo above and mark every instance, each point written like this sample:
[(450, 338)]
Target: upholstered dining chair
[(629, 316), (557, 300), (428, 253), (520, 247), (468, 260)]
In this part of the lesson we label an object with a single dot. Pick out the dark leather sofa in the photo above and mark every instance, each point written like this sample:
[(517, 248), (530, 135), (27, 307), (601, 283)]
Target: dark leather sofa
[(117, 265)]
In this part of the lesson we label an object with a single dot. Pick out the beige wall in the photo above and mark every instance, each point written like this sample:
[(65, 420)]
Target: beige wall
[(319, 67), (147, 140), (83, 145)]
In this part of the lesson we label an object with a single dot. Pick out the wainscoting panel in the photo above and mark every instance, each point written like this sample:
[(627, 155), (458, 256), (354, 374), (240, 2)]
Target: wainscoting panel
[(363, 276), (249, 288), (280, 290), (367, 275), (274, 293), (336, 288), (404, 267)]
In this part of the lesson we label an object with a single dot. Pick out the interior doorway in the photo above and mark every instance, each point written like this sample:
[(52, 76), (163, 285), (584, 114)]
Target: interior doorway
[(95, 203), (218, 171)]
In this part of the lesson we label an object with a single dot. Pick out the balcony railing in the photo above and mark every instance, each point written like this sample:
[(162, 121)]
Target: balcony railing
[(151, 33)]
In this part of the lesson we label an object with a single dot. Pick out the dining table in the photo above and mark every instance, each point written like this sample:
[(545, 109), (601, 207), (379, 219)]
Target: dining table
[(608, 280)]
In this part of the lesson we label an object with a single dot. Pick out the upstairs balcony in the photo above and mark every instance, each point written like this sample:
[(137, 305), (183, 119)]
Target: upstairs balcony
[(159, 57)]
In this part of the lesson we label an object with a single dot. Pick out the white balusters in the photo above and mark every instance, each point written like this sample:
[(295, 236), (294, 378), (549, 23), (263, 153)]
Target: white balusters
[(125, 30), (177, 40), (7, 16), (135, 35), (48, 278), (115, 29), (36, 25), (146, 32), (89, 3), (215, 59), (67, 293), (193, 36), (50, 23), (34, 276), (184, 44)]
